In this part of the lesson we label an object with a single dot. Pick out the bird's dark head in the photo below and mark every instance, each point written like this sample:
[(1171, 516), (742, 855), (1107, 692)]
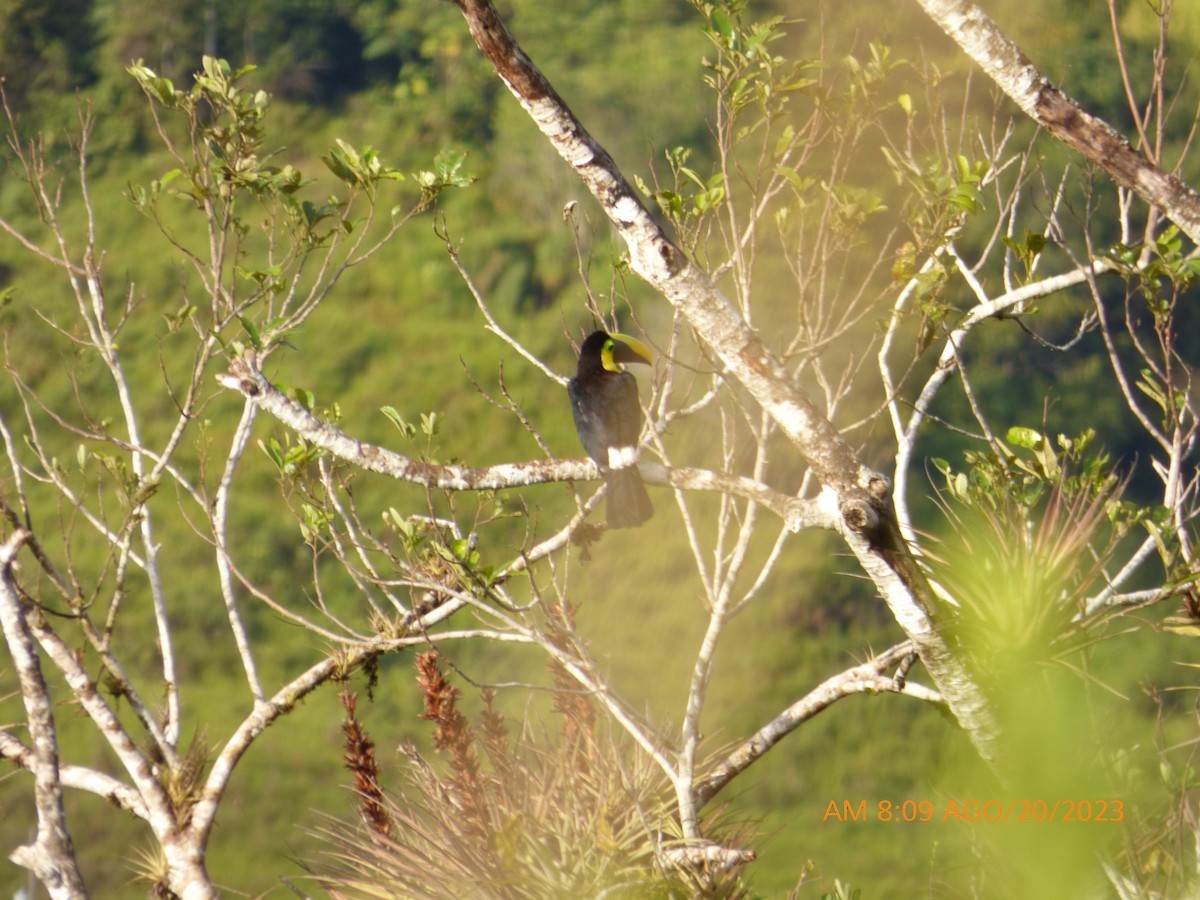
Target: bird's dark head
[(613, 351)]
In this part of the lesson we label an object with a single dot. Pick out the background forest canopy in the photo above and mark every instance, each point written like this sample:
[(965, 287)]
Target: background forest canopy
[(398, 355)]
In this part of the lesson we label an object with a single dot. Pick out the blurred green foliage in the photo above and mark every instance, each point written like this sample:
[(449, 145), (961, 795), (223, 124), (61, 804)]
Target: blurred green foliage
[(404, 77)]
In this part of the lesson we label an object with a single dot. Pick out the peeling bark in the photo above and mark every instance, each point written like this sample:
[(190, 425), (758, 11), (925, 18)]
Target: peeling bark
[(51, 856), (243, 376), (867, 519), (991, 49)]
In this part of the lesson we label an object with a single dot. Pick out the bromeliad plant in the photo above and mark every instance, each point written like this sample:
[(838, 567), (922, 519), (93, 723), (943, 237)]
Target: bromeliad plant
[(1032, 533), (533, 815)]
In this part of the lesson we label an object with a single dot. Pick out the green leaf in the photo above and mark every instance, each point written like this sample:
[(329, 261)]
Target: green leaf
[(960, 485), (799, 84), (1026, 438), (722, 26), (272, 449), (165, 90), (305, 398), (159, 185), (449, 171), (963, 165), (784, 143), (405, 428), (251, 332), (1123, 254), (1149, 386)]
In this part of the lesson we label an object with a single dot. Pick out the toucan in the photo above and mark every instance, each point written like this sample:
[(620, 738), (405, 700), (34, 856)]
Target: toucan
[(608, 417)]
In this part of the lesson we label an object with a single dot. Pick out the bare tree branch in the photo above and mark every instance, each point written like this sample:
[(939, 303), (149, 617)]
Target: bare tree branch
[(244, 377), (767, 405), (51, 857), (1098, 142), (867, 678), (77, 777), (854, 494)]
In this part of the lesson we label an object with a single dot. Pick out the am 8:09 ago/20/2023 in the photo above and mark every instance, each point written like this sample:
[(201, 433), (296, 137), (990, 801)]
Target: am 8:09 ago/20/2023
[(920, 811)]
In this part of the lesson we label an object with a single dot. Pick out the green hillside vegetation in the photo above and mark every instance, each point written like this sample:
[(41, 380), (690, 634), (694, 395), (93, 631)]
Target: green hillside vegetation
[(402, 330)]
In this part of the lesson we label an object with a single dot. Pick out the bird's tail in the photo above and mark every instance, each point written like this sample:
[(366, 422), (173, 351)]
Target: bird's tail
[(627, 504)]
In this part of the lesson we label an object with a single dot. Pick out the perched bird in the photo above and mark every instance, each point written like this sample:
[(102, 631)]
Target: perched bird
[(604, 400)]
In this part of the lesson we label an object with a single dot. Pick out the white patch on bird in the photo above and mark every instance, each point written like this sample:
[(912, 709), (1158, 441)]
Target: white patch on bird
[(622, 457)]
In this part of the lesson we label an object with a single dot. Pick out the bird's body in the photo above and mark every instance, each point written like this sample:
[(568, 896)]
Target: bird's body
[(608, 417)]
